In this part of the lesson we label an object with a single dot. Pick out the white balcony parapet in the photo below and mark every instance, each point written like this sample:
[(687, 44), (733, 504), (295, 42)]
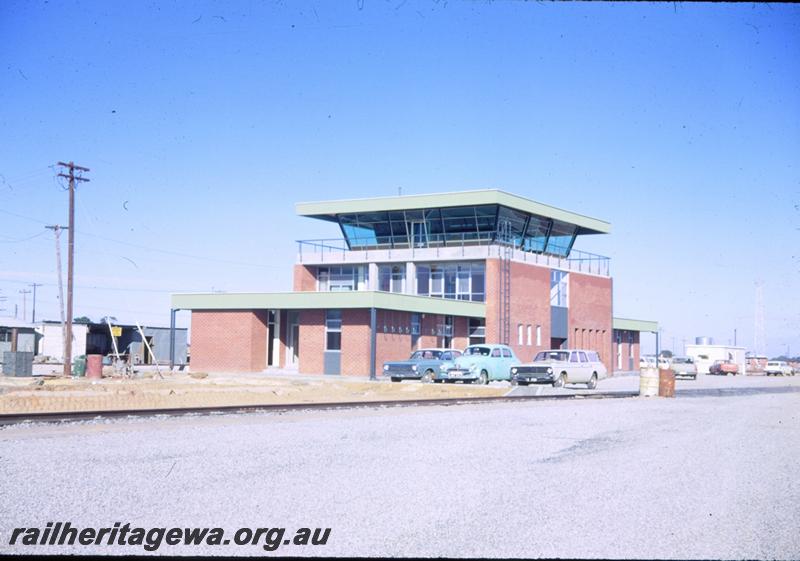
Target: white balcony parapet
[(335, 252)]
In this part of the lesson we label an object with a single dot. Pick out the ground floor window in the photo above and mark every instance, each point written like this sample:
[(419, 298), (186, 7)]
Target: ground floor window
[(477, 331), (333, 330), (416, 330)]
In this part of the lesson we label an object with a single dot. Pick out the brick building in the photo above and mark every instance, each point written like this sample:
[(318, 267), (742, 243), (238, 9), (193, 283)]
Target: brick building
[(442, 270)]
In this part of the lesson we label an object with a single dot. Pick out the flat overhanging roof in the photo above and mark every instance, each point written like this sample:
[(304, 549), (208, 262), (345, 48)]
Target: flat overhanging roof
[(329, 210), (327, 300), (635, 325)]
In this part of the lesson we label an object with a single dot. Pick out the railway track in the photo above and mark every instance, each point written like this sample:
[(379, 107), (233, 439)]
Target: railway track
[(75, 416)]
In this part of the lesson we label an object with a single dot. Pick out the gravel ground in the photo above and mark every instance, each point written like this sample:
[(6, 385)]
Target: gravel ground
[(709, 477)]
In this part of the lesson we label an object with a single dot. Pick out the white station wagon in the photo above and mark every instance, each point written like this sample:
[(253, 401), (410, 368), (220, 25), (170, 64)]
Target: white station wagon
[(559, 367)]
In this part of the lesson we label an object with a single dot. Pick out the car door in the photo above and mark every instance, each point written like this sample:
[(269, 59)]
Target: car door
[(495, 361), (574, 372)]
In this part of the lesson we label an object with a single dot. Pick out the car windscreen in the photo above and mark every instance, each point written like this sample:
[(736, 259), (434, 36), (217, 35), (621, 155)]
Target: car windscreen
[(557, 355), (482, 351), (426, 355), (682, 361)]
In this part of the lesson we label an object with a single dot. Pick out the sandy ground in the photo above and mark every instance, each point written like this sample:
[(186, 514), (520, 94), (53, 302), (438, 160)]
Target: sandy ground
[(41, 394), (701, 477)]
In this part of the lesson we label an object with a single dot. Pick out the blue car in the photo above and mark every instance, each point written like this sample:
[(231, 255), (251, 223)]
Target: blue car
[(480, 364), (423, 365)]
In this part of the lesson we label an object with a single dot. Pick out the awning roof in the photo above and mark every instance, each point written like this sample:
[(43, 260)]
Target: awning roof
[(327, 300), (635, 325), (329, 210)]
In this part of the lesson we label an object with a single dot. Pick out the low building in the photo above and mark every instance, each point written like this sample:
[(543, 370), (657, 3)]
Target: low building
[(444, 270), (704, 356), (627, 344)]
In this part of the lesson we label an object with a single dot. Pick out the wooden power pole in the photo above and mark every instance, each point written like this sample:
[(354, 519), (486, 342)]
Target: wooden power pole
[(71, 167)]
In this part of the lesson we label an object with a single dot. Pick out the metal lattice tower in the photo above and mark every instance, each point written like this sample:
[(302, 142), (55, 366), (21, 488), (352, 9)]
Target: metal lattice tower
[(504, 294), (759, 339)]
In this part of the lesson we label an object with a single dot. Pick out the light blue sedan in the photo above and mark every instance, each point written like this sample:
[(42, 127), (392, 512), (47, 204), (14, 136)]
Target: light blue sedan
[(481, 364)]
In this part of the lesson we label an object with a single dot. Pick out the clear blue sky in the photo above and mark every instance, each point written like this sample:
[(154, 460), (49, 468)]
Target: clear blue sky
[(203, 124)]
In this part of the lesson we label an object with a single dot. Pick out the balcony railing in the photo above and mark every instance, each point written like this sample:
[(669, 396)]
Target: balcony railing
[(454, 246)]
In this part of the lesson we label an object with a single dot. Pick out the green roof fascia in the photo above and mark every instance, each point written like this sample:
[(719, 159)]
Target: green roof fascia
[(327, 300), (635, 325), (327, 210)]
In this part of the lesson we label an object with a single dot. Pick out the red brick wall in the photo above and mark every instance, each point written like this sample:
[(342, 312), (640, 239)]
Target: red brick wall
[(355, 354), (312, 341), (229, 340), (428, 336), (355, 342), (530, 305), (304, 279), (460, 333), (589, 315)]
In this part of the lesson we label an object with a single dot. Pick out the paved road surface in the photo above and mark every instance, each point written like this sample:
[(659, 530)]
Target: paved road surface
[(714, 476)]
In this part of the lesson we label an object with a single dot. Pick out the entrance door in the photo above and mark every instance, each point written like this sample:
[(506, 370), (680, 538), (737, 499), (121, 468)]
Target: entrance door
[(293, 341)]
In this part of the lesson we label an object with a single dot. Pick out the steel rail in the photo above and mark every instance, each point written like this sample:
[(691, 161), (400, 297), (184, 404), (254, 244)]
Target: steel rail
[(74, 416)]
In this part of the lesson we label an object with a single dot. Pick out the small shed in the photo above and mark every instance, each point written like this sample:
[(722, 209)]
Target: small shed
[(17, 336)]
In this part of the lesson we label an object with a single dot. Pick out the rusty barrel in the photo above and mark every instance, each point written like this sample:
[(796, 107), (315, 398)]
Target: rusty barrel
[(666, 382), (94, 366), (648, 382)]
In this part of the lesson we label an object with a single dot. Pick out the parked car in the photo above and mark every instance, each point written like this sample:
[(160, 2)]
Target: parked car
[(561, 366), (647, 362), (421, 365), (778, 368), (684, 367), (481, 364), (724, 368), (650, 362)]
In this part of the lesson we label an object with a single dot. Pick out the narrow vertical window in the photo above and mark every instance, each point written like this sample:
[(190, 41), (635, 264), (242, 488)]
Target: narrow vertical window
[(538, 335), (333, 330), (519, 335), (530, 335)]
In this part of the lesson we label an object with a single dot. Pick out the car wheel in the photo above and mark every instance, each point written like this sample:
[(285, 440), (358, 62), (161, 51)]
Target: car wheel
[(427, 378), (592, 384), (483, 379), (560, 381), (395, 379)]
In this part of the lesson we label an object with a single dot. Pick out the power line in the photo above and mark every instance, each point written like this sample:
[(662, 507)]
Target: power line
[(153, 249)]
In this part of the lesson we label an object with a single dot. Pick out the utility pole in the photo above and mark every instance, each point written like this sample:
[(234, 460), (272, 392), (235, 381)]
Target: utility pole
[(33, 315), (70, 257), (24, 303), (57, 231)]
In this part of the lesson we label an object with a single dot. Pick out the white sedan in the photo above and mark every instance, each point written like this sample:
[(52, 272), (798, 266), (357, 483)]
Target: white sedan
[(559, 367)]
